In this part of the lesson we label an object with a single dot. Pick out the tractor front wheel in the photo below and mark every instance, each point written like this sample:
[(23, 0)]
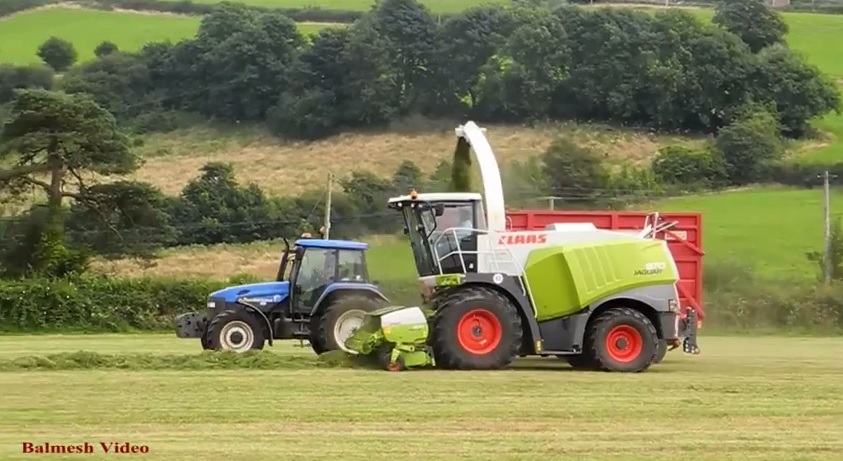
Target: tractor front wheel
[(476, 329), (235, 330), (341, 319), (315, 340), (623, 340)]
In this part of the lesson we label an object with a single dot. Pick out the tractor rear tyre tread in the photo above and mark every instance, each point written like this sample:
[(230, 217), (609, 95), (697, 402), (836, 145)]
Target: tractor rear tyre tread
[(445, 343), (329, 317), (597, 338), (215, 327), (315, 342)]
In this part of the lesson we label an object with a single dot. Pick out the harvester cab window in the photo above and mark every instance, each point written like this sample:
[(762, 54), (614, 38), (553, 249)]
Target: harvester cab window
[(455, 237)]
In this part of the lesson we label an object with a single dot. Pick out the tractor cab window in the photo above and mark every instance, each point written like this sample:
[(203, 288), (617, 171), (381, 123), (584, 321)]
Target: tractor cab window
[(352, 266), (316, 270)]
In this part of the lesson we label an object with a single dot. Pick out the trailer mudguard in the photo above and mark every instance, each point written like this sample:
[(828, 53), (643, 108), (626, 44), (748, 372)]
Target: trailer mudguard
[(364, 288)]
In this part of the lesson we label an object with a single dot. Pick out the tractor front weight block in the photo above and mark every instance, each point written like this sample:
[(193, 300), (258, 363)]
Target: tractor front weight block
[(191, 325)]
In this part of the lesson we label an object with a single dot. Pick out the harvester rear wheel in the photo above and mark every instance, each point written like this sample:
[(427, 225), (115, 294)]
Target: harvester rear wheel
[(661, 351), (475, 329), (341, 318), (624, 340), (236, 330)]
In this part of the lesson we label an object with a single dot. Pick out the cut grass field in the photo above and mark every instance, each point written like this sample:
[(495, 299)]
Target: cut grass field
[(759, 399)]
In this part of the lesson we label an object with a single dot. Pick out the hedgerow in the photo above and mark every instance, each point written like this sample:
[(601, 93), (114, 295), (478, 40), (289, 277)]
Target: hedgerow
[(102, 304)]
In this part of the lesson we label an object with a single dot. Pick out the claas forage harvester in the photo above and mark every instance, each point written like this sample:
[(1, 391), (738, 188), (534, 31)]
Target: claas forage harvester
[(599, 299)]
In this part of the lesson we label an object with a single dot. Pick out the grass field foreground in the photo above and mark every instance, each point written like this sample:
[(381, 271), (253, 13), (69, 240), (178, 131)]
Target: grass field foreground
[(759, 399)]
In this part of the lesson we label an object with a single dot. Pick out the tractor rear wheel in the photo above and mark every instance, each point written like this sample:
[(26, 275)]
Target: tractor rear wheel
[(235, 330), (342, 318), (315, 341), (624, 340), (475, 329)]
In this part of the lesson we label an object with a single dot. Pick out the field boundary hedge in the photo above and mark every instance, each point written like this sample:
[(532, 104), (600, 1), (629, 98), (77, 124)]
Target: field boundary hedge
[(308, 14), (97, 304)]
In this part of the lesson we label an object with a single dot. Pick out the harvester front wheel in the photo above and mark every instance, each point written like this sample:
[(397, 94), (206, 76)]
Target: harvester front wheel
[(476, 329), (624, 340), (235, 330), (341, 319)]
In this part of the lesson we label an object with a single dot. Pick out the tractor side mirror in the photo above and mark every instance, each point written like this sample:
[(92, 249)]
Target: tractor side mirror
[(438, 209), (406, 231)]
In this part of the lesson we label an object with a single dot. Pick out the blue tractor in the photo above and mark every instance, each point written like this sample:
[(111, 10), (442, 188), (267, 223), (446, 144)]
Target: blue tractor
[(323, 299)]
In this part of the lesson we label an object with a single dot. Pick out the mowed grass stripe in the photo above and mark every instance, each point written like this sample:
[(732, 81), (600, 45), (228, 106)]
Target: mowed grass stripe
[(735, 401)]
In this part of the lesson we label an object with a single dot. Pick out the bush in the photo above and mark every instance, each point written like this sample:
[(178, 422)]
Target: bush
[(688, 167), (749, 145), (23, 77), (101, 304), (57, 53), (98, 303)]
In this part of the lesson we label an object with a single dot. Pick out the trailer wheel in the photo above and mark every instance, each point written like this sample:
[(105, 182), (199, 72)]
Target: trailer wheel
[(623, 340), (475, 329), (235, 330), (342, 318)]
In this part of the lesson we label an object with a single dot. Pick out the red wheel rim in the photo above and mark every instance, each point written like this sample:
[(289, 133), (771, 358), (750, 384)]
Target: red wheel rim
[(479, 331), (624, 343), (393, 367)]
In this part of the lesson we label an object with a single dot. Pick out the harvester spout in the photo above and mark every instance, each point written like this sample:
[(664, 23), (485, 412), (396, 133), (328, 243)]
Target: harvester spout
[(472, 137)]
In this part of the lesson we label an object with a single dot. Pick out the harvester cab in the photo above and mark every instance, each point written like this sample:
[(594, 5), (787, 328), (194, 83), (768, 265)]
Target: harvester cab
[(321, 293), (599, 299)]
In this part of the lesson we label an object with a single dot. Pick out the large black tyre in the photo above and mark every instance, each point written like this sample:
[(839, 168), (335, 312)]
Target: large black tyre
[(475, 329), (582, 361), (315, 340), (661, 351), (333, 329), (206, 345), (237, 330), (623, 340)]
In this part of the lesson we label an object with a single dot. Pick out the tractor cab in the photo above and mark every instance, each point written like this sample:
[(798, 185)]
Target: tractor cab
[(315, 264), (443, 229)]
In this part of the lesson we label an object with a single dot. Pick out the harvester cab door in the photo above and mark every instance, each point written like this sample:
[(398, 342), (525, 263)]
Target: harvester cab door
[(455, 236), (316, 270)]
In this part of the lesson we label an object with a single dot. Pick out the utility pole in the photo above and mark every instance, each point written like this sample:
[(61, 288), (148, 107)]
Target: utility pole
[(827, 221), (326, 234)]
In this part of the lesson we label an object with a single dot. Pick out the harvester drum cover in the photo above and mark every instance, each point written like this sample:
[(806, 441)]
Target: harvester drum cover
[(476, 328)]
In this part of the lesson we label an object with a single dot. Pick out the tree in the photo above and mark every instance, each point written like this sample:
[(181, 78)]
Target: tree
[(23, 77), (57, 53), (748, 145), (751, 20), (60, 136), (105, 48), (573, 171)]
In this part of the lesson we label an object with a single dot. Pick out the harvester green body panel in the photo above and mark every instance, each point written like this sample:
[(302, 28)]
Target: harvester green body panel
[(567, 278)]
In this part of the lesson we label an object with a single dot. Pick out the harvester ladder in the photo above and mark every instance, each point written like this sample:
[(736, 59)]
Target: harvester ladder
[(494, 261)]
